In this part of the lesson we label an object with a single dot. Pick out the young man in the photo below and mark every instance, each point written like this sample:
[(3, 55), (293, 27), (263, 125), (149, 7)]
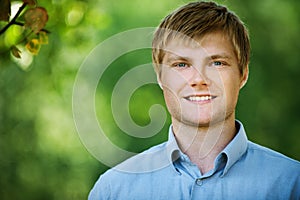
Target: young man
[(201, 55)]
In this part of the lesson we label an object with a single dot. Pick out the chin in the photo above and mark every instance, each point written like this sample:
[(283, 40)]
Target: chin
[(197, 122)]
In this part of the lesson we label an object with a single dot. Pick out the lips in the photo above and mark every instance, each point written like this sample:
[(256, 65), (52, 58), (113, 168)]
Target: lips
[(200, 98)]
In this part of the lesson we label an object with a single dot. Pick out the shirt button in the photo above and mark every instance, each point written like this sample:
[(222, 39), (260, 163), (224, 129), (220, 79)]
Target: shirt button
[(199, 181)]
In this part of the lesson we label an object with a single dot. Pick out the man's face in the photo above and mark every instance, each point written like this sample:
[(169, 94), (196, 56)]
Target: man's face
[(201, 82)]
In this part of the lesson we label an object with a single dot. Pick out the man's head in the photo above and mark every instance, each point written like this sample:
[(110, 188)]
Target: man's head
[(196, 19), (201, 55)]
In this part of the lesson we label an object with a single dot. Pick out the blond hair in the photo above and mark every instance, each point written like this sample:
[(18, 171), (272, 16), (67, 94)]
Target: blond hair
[(196, 19)]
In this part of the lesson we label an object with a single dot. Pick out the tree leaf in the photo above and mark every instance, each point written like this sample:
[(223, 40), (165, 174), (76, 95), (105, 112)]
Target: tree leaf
[(30, 2), (43, 37), (33, 46), (15, 52), (36, 18), (4, 10)]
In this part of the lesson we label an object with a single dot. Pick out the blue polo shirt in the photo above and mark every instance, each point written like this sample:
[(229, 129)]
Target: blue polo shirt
[(243, 170)]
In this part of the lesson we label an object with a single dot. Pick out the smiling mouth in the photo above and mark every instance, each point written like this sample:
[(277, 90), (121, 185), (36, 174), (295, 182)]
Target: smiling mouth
[(202, 98)]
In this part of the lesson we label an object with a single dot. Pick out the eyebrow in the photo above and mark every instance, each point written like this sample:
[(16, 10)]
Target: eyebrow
[(217, 56), (172, 56)]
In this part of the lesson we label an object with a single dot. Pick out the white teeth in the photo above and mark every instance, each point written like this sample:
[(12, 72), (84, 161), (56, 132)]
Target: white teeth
[(199, 98)]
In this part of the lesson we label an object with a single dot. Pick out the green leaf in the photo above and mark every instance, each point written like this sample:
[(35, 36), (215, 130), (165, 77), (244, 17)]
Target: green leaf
[(36, 18), (4, 10), (15, 52)]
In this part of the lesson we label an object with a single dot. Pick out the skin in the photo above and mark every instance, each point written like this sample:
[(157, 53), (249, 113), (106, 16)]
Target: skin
[(201, 84)]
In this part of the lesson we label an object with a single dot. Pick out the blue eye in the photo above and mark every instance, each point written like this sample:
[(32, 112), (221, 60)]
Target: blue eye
[(218, 63), (181, 65)]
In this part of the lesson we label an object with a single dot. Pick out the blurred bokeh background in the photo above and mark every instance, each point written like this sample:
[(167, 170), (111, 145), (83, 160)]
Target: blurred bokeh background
[(41, 155)]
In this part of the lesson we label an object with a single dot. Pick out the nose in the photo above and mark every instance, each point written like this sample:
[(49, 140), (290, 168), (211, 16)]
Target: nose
[(198, 78)]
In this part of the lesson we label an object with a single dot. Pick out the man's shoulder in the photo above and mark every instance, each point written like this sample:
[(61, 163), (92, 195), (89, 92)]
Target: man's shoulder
[(273, 158), (137, 170), (152, 159), (155, 148)]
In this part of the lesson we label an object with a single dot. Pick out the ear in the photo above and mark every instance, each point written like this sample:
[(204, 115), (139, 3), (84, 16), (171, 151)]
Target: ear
[(159, 81), (244, 77)]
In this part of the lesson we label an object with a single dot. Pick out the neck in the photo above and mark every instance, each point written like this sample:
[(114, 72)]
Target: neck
[(203, 143)]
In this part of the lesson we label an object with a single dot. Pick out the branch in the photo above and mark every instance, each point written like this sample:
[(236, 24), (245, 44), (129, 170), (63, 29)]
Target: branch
[(13, 21), (22, 24)]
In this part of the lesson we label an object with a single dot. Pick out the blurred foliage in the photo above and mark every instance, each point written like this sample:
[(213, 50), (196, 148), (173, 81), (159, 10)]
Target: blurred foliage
[(24, 27), (41, 154)]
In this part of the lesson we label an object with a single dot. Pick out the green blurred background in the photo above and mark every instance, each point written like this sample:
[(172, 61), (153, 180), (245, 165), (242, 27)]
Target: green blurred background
[(41, 155)]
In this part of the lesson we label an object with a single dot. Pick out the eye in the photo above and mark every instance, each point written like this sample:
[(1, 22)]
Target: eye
[(180, 65), (218, 64)]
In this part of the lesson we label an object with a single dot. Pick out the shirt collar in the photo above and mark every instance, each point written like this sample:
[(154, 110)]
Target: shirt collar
[(236, 148), (233, 151), (173, 150)]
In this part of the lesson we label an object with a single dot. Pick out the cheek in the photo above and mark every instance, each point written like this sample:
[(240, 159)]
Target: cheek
[(172, 84), (232, 88), (170, 97), (172, 100), (173, 79)]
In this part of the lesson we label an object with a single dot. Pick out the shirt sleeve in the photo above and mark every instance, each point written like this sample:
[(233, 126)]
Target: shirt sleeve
[(100, 191)]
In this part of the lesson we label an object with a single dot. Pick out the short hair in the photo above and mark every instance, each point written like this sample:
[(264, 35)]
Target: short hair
[(196, 19)]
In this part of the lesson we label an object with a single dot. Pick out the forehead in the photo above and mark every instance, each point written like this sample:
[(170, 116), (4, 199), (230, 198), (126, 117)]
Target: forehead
[(210, 43)]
